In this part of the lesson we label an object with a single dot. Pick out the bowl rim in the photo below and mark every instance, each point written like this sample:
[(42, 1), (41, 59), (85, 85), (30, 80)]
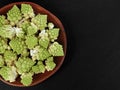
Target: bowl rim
[(65, 42)]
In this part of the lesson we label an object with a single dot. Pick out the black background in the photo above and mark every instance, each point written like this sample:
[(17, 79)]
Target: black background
[(93, 53)]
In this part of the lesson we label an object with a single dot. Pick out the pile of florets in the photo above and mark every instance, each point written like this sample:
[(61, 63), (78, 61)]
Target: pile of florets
[(27, 44)]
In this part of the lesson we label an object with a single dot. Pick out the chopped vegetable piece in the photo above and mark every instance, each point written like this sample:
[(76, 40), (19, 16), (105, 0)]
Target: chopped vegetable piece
[(32, 29), (39, 68), (6, 31), (14, 15), (26, 79), (24, 64), (10, 56), (56, 49), (1, 61), (50, 25), (50, 65), (31, 41), (8, 73), (3, 21), (17, 45), (27, 10), (53, 34), (40, 21)]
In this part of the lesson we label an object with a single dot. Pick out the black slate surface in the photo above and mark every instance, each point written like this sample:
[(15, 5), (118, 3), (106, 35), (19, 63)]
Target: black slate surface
[(93, 53)]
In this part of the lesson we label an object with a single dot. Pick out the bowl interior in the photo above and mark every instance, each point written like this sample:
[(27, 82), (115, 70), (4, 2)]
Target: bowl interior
[(38, 78)]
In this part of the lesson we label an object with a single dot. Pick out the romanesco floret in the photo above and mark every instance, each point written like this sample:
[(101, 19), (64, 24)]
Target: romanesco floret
[(31, 41), (3, 21), (32, 29), (44, 39), (26, 79), (3, 45), (7, 31), (27, 10), (14, 15), (56, 49), (40, 21), (25, 52), (10, 57), (50, 25), (8, 73), (19, 32), (39, 68), (43, 54), (1, 61), (24, 25), (39, 53), (53, 34), (24, 64), (17, 45), (50, 64)]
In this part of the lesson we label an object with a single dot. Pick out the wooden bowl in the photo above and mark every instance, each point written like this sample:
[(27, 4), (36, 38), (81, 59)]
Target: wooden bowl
[(38, 78)]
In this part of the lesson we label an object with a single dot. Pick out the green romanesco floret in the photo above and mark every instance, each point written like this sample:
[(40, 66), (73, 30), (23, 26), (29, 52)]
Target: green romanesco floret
[(19, 32), (27, 10), (17, 45), (1, 61), (39, 53), (14, 15), (44, 39), (32, 29), (39, 68), (53, 34), (7, 31), (24, 25), (24, 64), (50, 64), (25, 52), (26, 79), (40, 21), (10, 57), (43, 54), (56, 49), (3, 45), (8, 73), (50, 25), (31, 41), (3, 21)]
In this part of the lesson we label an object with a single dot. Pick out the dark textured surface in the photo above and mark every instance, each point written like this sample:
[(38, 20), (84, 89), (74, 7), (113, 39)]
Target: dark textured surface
[(93, 56)]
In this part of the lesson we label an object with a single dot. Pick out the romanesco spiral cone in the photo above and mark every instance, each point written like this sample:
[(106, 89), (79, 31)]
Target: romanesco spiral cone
[(19, 32), (26, 79), (3, 45), (24, 25), (14, 15), (31, 41), (39, 68), (7, 31), (17, 45), (32, 29), (1, 61), (53, 34), (24, 64), (44, 39), (27, 10), (40, 21), (3, 21), (50, 25), (43, 54), (50, 64), (56, 49), (8, 73), (10, 57)]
